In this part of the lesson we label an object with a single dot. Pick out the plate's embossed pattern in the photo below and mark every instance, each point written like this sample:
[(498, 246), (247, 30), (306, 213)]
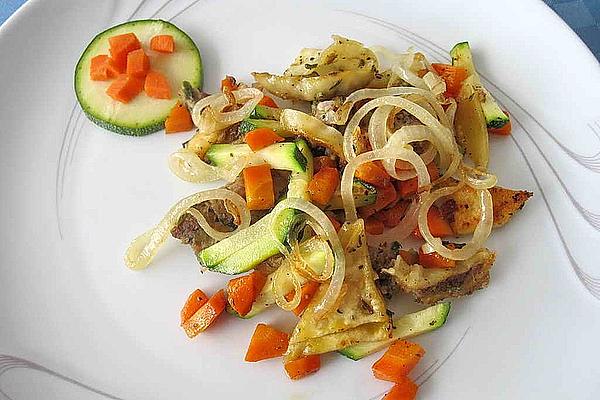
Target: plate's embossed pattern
[(9, 363)]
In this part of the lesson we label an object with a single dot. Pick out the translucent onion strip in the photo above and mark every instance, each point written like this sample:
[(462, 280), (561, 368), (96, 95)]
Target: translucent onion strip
[(387, 153), (313, 252), (482, 231), (284, 281), (188, 166), (417, 133), (143, 248), (419, 112), (451, 111), (343, 112), (428, 156), (476, 178), (339, 271), (219, 101), (378, 127)]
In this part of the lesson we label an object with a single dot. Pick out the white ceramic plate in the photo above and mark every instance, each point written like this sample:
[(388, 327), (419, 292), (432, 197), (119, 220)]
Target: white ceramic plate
[(73, 196)]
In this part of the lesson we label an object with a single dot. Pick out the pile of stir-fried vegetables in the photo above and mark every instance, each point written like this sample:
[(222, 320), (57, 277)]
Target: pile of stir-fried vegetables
[(380, 150)]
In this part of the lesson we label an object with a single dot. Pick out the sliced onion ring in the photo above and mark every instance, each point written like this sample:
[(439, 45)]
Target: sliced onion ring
[(416, 133), (143, 248), (188, 166), (419, 112), (284, 281), (339, 271), (219, 101), (482, 231), (343, 112), (382, 154), (302, 264), (476, 178)]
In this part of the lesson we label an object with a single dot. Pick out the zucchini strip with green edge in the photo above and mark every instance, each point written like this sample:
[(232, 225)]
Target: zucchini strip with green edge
[(405, 326), (248, 248), (462, 57)]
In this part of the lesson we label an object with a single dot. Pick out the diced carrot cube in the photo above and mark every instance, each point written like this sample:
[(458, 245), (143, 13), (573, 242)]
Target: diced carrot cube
[(206, 315), (125, 87), (258, 183), (399, 359), (157, 86), (103, 68), (404, 390), (163, 43), (138, 63), (195, 300), (120, 46), (267, 342), (303, 366), (179, 120)]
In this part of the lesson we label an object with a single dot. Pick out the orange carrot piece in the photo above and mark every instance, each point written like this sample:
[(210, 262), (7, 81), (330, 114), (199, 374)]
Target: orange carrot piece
[(372, 173), (206, 315), (138, 63), (125, 88), (163, 43), (409, 187), (323, 184), (266, 342), (195, 300), (504, 131), (157, 86), (228, 84), (242, 291), (267, 101), (260, 138), (103, 68), (308, 291), (393, 216), (258, 183), (259, 279), (386, 195), (404, 390), (434, 260), (336, 224), (179, 120), (399, 359), (438, 226), (120, 46), (373, 226), (453, 76), (323, 161), (303, 366)]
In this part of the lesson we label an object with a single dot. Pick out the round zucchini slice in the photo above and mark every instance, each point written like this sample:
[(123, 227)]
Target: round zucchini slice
[(143, 114)]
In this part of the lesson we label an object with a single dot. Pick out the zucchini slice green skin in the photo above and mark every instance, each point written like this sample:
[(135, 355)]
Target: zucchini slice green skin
[(286, 156), (250, 124), (265, 112), (248, 248), (143, 115), (462, 57), (364, 194), (405, 326)]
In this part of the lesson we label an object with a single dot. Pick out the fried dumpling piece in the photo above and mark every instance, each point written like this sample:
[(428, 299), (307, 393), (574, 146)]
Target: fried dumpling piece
[(431, 285), (338, 70), (461, 209), (360, 314)]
